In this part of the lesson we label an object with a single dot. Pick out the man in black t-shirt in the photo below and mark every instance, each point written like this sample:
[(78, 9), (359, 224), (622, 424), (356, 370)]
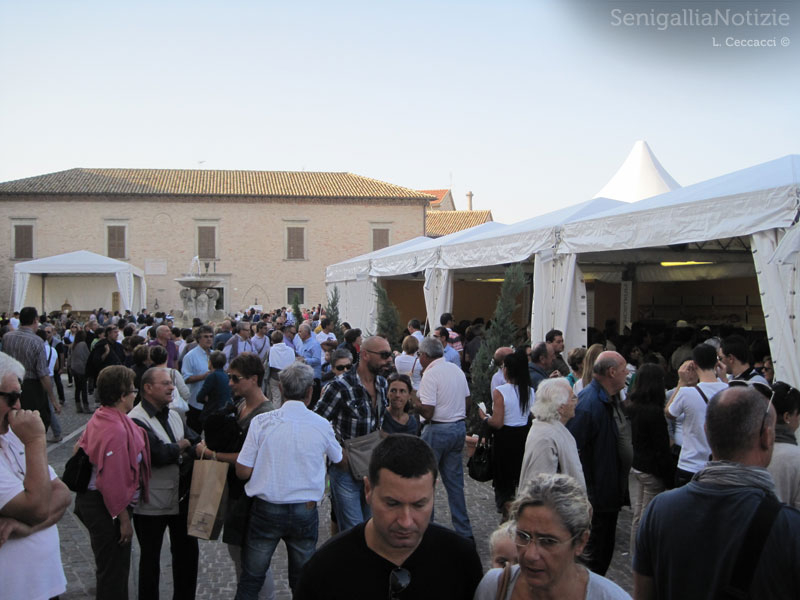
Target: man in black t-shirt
[(397, 553)]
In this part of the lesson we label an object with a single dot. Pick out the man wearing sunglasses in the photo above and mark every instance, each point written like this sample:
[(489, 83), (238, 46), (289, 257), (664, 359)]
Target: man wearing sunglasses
[(724, 530), (32, 498), (398, 552), (355, 404)]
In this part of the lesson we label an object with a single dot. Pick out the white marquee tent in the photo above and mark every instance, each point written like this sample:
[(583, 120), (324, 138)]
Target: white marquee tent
[(84, 278), (761, 203)]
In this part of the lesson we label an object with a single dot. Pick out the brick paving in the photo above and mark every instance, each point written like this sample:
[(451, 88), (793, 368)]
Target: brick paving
[(216, 578)]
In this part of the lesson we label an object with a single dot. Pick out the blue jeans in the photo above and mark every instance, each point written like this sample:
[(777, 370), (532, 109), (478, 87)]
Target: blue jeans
[(447, 442), (350, 504), (295, 524)]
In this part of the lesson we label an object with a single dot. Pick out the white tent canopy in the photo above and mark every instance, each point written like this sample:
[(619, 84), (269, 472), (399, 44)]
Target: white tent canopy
[(640, 176), (84, 278)]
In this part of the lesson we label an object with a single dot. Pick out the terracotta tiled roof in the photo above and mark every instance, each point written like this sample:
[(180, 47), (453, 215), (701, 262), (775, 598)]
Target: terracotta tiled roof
[(442, 222), (175, 182), (440, 194)]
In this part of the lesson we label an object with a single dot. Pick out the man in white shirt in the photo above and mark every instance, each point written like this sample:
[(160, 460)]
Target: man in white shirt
[(284, 458), (260, 341), (326, 337), (698, 383), (415, 329), (280, 357), (32, 498), (443, 401)]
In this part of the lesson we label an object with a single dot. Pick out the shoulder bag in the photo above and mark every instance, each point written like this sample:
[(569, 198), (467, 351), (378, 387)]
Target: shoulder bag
[(480, 465), (77, 472), (359, 452)]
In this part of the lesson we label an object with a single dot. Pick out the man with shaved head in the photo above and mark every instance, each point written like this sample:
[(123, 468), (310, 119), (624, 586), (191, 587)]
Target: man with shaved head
[(603, 436), (725, 530), (354, 404)]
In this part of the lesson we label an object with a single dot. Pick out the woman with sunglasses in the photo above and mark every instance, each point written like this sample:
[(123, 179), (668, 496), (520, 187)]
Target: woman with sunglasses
[(245, 375), (341, 361), (119, 452), (551, 518), (397, 418), (785, 464)]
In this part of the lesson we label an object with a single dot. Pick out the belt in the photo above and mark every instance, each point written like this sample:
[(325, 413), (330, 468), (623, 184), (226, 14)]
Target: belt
[(444, 422), (310, 505)]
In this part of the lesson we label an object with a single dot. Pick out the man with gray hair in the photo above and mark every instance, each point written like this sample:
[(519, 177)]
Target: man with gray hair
[(284, 459), (32, 498), (724, 534), (444, 399), (603, 435)]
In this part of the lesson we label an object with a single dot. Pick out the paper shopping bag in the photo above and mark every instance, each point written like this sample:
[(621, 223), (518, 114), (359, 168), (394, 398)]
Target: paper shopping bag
[(207, 498)]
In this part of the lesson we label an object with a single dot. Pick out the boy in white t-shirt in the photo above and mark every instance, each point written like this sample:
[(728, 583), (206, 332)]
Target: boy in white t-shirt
[(698, 383)]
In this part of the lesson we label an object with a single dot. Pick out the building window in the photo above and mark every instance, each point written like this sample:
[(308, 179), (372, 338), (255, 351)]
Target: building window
[(380, 238), (207, 242), (295, 291), (295, 243), (23, 241), (116, 241)]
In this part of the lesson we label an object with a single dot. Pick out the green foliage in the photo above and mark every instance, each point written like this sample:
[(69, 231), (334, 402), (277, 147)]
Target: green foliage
[(501, 333), (388, 325), (332, 312)]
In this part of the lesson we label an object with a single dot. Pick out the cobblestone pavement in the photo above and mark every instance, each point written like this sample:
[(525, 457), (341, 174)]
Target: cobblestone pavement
[(216, 578)]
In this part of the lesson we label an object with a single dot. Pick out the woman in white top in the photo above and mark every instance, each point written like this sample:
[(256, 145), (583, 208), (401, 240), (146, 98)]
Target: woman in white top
[(408, 363), (511, 404)]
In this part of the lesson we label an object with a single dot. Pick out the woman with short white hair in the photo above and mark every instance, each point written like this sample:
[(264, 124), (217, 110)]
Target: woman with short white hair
[(550, 447)]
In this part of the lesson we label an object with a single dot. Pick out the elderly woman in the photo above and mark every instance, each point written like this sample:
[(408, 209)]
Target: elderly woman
[(552, 518), (550, 447), (341, 362), (120, 455)]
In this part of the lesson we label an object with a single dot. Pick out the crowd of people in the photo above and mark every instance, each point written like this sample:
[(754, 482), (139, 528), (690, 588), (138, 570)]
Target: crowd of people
[(688, 428)]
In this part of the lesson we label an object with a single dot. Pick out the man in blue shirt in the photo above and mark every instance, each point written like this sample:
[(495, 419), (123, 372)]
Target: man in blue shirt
[(450, 353), (195, 369), (311, 352)]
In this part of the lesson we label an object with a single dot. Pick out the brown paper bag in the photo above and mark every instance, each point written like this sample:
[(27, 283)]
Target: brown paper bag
[(207, 499)]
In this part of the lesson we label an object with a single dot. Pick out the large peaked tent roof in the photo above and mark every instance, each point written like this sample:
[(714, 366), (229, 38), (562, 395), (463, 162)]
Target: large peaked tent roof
[(640, 176)]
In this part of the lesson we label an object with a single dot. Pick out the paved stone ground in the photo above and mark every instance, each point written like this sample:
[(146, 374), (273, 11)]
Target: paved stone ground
[(216, 577)]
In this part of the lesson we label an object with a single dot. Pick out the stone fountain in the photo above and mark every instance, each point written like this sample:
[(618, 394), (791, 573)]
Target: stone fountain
[(199, 297)]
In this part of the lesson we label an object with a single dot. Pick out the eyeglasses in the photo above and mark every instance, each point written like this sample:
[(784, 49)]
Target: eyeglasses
[(384, 354), (343, 367), (764, 389), (11, 397), (399, 580), (546, 543), (235, 378)]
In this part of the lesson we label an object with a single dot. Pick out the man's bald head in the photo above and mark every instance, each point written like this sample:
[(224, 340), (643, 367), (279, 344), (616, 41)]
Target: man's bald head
[(738, 426), (375, 343), (609, 370), (500, 355)]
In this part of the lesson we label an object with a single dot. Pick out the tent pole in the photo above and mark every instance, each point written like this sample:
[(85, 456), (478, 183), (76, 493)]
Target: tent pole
[(44, 310)]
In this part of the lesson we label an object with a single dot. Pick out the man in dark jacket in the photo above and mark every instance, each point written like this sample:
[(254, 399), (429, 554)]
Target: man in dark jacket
[(603, 436)]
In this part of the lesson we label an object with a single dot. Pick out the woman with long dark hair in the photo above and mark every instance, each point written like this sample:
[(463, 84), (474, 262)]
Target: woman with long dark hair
[(652, 463), (511, 404)]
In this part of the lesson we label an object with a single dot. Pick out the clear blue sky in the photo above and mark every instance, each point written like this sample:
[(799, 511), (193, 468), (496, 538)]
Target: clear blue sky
[(531, 105)]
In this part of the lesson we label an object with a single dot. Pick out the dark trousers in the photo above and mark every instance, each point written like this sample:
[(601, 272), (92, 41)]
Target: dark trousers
[(81, 394), (112, 560), (600, 549), (150, 533), (34, 397), (193, 420), (59, 388), (682, 477)]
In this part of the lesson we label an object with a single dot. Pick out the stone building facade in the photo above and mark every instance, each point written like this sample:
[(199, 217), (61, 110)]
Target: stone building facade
[(265, 235)]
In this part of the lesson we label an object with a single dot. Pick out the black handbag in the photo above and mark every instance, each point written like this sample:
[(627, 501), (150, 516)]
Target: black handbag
[(480, 466), (77, 472)]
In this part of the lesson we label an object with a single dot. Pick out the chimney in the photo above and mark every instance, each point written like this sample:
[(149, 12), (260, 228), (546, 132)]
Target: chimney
[(469, 200)]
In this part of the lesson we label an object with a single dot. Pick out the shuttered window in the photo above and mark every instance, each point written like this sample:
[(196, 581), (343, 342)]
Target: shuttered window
[(295, 243), (23, 241), (206, 242), (295, 291), (380, 238), (116, 241)]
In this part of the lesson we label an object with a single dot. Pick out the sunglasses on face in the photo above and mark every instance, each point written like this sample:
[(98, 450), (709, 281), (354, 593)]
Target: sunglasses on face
[(11, 397), (343, 367), (235, 378), (384, 354)]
